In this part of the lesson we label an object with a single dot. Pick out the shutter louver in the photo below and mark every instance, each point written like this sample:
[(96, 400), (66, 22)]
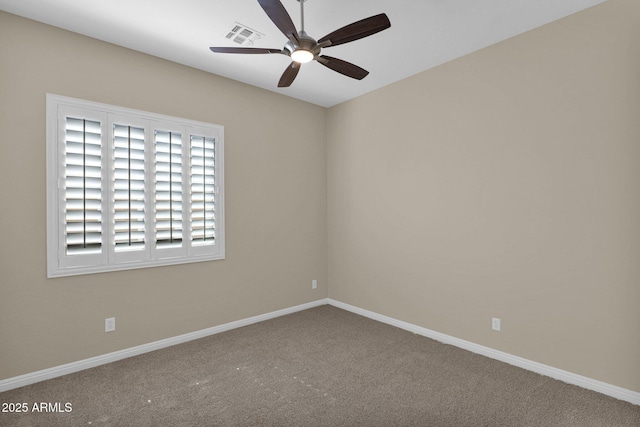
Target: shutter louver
[(128, 182), (202, 190), (83, 186), (168, 177)]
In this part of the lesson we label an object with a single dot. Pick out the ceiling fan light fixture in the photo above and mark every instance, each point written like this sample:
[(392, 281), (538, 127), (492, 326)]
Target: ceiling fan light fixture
[(302, 56)]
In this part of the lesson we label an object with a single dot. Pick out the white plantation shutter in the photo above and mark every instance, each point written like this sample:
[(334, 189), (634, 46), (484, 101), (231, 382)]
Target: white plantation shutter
[(203, 190), (128, 187), (168, 188), (82, 186)]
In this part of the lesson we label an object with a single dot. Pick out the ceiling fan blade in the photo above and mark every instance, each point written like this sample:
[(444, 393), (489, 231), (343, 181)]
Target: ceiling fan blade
[(357, 30), (343, 67), (243, 50), (289, 74), (280, 17)]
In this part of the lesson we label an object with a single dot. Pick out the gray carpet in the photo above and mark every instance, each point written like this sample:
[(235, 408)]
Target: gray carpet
[(319, 367)]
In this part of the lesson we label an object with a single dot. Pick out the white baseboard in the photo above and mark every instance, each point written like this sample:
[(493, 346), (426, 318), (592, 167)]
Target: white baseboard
[(58, 371), (558, 374)]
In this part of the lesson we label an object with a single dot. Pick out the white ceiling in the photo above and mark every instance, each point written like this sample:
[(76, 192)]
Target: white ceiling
[(423, 34)]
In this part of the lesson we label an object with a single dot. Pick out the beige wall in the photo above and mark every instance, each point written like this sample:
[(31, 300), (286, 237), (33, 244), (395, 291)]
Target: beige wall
[(503, 184), (275, 203)]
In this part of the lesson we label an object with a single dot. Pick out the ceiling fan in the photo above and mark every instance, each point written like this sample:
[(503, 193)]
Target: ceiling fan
[(302, 48)]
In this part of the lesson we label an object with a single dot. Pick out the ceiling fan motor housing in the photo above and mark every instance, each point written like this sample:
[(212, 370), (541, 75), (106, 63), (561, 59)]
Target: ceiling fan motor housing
[(305, 42)]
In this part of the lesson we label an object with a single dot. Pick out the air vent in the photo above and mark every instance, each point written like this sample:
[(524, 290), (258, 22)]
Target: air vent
[(243, 35)]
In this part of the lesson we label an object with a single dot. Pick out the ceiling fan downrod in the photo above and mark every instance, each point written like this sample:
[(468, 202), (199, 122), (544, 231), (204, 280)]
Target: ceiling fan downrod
[(302, 15)]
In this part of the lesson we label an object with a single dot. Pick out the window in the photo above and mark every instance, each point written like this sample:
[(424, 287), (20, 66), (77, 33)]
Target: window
[(130, 189)]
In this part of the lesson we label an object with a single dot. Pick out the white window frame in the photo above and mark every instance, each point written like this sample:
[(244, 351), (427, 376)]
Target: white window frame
[(59, 263)]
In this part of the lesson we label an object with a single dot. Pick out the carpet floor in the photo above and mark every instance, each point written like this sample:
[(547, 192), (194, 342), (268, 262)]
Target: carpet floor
[(318, 367)]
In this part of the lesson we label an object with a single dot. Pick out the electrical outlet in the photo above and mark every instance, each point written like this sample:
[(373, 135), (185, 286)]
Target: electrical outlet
[(110, 324), (314, 284), (495, 324)]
